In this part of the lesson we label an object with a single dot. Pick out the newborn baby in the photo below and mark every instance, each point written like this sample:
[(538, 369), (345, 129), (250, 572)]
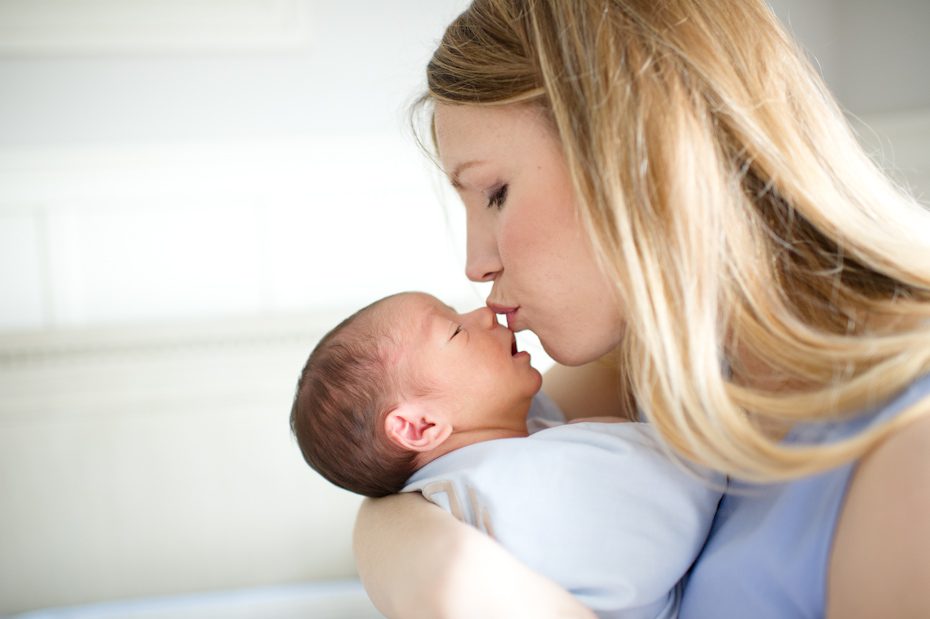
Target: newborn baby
[(409, 395)]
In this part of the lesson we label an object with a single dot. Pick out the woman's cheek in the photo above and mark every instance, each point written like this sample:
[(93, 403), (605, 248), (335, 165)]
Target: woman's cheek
[(525, 244)]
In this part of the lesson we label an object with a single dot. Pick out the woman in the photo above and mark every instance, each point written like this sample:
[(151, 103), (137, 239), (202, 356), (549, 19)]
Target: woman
[(670, 184)]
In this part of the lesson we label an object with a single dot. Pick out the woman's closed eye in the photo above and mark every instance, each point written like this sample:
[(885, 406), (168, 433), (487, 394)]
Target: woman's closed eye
[(498, 197)]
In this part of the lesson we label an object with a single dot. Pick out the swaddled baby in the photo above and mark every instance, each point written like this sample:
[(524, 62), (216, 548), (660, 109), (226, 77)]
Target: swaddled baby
[(409, 395)]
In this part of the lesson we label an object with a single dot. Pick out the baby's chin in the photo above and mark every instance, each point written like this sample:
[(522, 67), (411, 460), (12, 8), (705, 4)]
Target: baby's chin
[(531, 388)]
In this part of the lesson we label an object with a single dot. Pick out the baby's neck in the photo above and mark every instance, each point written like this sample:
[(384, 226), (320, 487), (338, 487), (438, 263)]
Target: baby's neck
[(463, 438)]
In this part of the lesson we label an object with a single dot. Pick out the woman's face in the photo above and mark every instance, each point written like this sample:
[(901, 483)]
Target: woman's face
[(523, 233)]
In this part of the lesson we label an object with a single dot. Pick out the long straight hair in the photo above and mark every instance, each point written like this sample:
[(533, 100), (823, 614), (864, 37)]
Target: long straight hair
[(743, 226)]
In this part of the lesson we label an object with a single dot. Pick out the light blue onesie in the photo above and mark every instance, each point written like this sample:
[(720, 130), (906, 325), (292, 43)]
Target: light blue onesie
[(597, 507)]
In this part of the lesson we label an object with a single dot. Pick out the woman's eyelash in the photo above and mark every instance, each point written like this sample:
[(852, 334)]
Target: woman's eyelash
[(497, 198)]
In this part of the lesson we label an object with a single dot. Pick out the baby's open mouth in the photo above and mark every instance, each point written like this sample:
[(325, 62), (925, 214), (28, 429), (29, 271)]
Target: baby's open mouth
[(513, 344)]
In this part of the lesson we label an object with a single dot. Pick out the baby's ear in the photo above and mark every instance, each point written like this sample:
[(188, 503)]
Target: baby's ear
[(413, 427)]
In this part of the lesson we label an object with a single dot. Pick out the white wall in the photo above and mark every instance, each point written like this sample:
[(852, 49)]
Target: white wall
[(872, 54), (160, 463), (158, 180), (141, 232)]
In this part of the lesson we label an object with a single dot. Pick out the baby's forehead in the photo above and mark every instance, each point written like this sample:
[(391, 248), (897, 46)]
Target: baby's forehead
[(396, 325), (404, 318), (406, 307), (400, 312)]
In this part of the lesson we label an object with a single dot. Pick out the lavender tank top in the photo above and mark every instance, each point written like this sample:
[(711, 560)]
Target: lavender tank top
[(769, 547)]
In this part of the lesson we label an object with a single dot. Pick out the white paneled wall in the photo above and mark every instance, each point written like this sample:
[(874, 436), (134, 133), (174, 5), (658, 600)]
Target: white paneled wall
[(88, 26), (125, 234), (160, 462), (23, 269)]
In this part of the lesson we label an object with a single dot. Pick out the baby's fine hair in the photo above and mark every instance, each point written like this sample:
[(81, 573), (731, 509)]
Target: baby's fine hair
[(343, 393)]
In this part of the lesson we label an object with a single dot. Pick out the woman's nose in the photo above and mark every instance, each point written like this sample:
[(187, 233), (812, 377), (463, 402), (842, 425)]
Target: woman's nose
[(482, 262)]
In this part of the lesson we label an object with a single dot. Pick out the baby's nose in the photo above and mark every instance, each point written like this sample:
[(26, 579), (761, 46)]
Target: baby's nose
[(482, 317)]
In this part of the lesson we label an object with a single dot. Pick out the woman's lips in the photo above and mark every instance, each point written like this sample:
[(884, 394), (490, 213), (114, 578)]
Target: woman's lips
[(517, 354), (509, 313)]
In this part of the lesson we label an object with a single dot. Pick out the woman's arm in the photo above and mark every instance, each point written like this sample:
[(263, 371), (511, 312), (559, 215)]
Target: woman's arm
[(590, 390), (416, 560), (880, 562)]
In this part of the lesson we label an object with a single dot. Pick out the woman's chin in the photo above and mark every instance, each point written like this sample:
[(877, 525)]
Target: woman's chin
[(576, 353), (567, 355)]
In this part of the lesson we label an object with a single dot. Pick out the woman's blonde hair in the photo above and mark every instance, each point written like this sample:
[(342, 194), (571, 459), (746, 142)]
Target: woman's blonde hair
[(747, 232)]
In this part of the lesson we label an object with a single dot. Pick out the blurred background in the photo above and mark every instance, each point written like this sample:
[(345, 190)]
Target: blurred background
[(191, 193)]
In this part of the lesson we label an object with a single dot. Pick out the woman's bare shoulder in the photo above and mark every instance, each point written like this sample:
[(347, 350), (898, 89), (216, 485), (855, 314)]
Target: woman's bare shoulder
[(880, 561)]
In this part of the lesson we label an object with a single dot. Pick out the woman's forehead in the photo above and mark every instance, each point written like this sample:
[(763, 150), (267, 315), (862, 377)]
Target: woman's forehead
[(457, 126), (472, 136)]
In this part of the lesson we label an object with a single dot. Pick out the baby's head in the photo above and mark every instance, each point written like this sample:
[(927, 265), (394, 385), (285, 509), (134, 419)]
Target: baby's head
[(403, 381)]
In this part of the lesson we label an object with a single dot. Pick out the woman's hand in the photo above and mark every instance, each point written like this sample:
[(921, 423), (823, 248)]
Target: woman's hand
[(416, 560)]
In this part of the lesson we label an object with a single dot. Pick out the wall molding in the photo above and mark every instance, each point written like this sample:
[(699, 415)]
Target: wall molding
[(77, 176), (165, 339), (67, 209), (68, 27)]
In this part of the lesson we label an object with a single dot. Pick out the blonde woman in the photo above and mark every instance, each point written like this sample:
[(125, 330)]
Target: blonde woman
[(670, 186)]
